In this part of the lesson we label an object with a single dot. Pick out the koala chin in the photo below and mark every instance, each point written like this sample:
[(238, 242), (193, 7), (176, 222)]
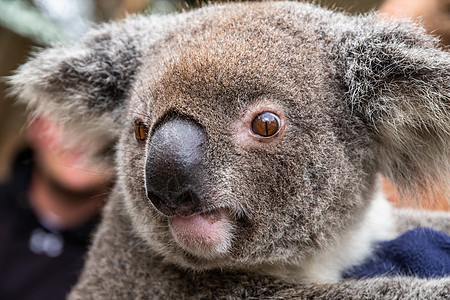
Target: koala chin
[(248, 140)]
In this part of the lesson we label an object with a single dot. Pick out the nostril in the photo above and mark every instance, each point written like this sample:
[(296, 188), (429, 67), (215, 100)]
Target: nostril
[(157, 201), (184, 205), (186, 202)]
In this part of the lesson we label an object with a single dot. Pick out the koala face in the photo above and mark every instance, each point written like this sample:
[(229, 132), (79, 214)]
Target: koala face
[(251, 134), (241, 156)]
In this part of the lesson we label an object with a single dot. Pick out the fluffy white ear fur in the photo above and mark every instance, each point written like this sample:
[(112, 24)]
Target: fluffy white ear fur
[(84, 85), (398, 81), (77, 87), (76, 84)]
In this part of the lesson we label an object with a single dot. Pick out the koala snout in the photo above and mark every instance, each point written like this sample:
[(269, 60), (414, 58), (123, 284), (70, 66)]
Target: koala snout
[(175, 167)]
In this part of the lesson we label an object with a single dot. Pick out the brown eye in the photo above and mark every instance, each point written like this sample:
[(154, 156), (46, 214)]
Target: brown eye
[(266, 124), (140, 131)]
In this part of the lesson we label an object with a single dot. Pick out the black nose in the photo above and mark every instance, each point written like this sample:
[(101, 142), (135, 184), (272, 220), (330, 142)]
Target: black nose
[(175, 167)]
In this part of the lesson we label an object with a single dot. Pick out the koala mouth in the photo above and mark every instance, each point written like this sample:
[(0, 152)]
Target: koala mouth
[(205, 235)]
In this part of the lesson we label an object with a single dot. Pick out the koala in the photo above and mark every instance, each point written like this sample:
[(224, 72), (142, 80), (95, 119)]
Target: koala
[(247, 140)]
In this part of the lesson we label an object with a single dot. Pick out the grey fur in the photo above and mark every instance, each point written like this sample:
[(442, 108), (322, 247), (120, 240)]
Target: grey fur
[(359, 96)]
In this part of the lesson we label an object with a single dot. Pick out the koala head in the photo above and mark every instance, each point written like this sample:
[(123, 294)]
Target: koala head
[(249, 134)]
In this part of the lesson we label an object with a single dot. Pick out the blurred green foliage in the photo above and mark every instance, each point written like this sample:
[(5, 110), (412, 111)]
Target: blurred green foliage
[(25, 19)]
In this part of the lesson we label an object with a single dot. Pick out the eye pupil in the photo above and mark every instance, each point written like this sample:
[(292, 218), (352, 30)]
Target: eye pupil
[(266, 124), (140, 131)]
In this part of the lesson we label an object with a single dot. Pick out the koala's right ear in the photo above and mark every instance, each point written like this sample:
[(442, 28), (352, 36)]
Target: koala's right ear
[(398, 82), (82, 86)]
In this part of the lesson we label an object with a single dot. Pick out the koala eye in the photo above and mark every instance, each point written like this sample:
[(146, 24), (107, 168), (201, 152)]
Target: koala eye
[(140, 131), (266, 124)]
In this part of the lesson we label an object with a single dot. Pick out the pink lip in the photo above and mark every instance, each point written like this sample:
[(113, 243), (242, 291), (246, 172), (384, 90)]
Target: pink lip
[(202, 234)]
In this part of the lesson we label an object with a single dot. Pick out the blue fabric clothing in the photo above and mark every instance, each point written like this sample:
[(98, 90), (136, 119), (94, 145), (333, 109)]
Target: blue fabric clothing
[(420, 252)]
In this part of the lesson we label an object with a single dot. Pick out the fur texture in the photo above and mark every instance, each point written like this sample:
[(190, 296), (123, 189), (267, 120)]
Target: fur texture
[(355, 95)]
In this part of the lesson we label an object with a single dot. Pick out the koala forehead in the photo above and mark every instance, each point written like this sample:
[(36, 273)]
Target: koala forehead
[(235, 57)]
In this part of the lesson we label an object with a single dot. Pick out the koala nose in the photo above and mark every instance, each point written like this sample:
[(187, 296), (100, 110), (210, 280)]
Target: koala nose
[(175, 167)]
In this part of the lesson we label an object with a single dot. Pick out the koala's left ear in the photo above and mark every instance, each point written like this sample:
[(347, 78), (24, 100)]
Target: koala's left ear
[(398, 81), (82, 86)]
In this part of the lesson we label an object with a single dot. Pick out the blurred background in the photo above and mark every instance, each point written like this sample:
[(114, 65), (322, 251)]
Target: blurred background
[(26, 25)]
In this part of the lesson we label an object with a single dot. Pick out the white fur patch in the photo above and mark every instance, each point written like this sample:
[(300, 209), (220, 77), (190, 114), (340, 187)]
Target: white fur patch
[(350, 249), (354, 245)]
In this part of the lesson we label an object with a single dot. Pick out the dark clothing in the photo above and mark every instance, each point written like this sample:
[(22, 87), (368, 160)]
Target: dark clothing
[(35, 262), (420, 252)]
